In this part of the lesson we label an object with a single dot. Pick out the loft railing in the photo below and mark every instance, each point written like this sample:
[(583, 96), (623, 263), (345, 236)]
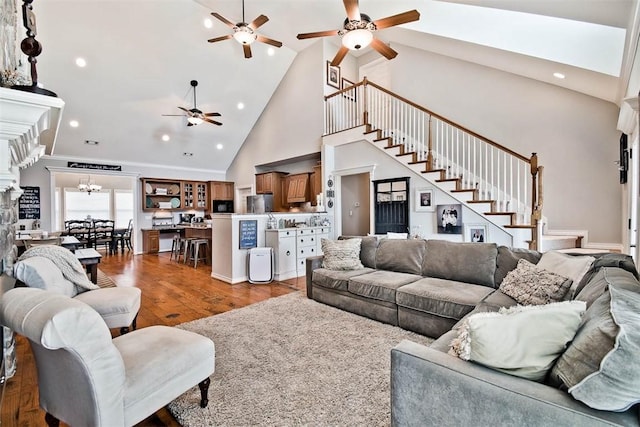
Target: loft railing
[(499, 174)]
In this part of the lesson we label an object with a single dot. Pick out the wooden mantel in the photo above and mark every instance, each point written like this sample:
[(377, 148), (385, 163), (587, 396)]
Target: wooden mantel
[(28, 128)]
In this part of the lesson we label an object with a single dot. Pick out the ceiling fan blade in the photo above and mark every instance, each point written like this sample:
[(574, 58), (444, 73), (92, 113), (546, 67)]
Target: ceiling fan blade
[(317, 34), (259, 21), (185, 110), (223, 19), (383, 49), (353, 11), (339, 56), (219, 39), (267, 40), (401, 18), (247, 50), (172, 115), (212, 121), (212, 115)]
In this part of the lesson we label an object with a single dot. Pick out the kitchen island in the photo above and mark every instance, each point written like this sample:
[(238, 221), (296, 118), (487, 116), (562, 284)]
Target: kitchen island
[(159, 238), (236, 233)]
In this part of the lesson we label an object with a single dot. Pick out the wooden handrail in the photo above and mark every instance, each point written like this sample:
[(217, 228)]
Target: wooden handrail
[(366, 82)]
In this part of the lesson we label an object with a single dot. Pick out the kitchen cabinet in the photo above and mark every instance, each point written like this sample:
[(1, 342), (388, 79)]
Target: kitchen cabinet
[(161, 194), (150, 241), (194, 195), (283, 243), (315, 184), (222, 190), (298, 188), (272, 183), (306, 246)]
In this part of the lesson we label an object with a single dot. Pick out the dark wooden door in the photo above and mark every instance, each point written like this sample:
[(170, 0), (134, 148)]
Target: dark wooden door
[(391, 198)]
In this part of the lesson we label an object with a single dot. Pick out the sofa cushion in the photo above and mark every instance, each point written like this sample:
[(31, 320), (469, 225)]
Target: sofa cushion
[(531, 285), (508, 260), (380, 285), (499, 299), (336, 279), (445, 298), (368, 249), (403, 256), (607, 260), (40, 272), (600, 367), (463, 262), (341, 254), (523, 340), (572, 267), (599, 284)]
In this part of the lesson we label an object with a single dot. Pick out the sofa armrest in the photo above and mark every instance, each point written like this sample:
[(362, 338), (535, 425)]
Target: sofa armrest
[(313, 262), (429, 387)]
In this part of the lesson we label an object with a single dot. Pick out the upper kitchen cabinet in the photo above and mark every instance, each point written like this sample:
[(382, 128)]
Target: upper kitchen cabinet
[(161, 194), (195, 195), (315, 184), (298, 188), (222, 190), (272, 183)]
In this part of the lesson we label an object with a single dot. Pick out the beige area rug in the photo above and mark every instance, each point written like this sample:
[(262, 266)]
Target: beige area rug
[(105, 281), (291, 361)]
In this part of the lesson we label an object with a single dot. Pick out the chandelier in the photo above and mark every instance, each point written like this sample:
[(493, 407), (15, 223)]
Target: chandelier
[(88, 186)]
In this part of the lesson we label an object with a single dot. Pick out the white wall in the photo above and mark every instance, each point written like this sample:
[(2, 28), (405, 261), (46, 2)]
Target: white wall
[(574, 135), (291, 124)]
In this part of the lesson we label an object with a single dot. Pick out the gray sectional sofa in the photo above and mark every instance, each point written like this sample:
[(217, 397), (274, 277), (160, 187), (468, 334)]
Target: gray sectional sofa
[(430, 287)]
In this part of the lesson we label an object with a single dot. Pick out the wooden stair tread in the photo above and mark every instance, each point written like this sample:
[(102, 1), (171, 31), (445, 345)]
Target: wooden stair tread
[(463, 190), (408, 153), (393, 146), (417, 162), (481, 201), (448, 180), (499, 213), (529, 226)]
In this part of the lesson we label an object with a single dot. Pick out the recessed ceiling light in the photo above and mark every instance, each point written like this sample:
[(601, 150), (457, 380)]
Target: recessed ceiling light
[(271, 51), (81, 62), (208, 23), (558, 75), (240, 105), (74, 123), (187, 154), (91, 142), (165, 137), (219, 146)]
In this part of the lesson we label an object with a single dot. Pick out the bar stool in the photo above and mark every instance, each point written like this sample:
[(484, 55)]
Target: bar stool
[(177, 246), (194, 252), (187, 241)]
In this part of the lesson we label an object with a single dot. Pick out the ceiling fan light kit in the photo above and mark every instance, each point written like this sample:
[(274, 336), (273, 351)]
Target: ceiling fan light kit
[(244, 33), (358, 28), (196, 116)]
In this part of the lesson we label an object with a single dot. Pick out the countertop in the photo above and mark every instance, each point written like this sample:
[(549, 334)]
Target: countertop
[(177, 227)]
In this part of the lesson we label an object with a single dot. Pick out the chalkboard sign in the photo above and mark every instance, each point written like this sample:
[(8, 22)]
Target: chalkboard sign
[(29, 203), (248, 233)]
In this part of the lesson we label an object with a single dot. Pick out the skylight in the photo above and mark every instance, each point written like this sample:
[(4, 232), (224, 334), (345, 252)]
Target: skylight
[(585, 45)]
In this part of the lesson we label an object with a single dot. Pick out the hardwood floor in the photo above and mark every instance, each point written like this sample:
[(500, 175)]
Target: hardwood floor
[(172, 293)]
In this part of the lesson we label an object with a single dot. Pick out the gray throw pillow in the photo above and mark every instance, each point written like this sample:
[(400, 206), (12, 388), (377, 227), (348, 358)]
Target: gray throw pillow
[(600, 367), (341, 254), (531, 285)]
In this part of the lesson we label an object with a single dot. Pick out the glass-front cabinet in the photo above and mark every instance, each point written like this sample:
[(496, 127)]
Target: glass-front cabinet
[(174, 194)]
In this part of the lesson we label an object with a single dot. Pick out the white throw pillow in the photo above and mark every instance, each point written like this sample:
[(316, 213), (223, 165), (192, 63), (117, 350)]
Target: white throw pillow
[(40, 272), (573, 267), (391, 235), (523, 341)]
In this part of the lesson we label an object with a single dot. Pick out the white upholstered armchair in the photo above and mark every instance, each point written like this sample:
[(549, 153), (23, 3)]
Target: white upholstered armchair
[(85, 378)]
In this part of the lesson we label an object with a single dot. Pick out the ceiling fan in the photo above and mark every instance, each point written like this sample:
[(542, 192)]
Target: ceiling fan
[(194, 115), (357, 31), (245, 33)]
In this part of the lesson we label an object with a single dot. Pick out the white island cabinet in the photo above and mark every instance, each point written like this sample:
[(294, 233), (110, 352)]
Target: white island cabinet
[(229, 258)]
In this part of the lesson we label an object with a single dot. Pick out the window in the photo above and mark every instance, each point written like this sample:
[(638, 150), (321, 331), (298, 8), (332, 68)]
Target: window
[(123, 207), (79, 205)]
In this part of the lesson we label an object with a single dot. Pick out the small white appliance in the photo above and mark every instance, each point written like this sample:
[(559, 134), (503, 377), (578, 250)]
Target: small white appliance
[(260, 265)]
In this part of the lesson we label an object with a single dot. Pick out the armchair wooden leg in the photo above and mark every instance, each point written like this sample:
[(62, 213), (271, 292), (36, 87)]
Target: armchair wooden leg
[(51, 420), (204, 392), (126, 329)]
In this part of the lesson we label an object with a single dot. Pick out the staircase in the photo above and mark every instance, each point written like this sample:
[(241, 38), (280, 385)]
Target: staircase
[(493, 181)]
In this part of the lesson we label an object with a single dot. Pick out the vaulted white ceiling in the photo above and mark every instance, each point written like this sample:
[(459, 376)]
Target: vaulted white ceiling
[(141, 56)]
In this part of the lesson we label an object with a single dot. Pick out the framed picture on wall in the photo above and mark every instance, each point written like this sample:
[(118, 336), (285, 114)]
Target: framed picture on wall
[(475, 233), (333, 75), (351, 94), (424, 200), (449, 219)]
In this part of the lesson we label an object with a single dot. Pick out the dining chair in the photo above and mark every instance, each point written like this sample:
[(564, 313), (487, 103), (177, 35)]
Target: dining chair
[(80, 229), (102, 234), (123, 238)]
